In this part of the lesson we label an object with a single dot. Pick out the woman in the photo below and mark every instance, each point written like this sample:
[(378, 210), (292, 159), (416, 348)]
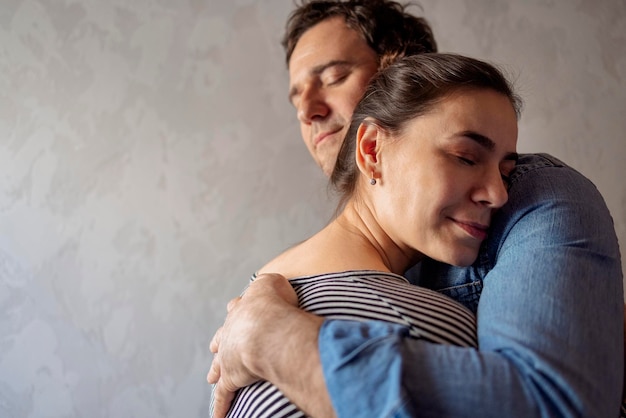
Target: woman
[(421, 171)]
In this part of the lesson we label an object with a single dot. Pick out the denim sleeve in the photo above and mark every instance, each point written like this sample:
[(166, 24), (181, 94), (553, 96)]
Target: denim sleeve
[(550, 324)]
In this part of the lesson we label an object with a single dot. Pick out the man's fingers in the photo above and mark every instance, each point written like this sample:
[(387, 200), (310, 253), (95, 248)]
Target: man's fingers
[(223, 398), (232, 304), (215, 341), (275, 284), (214, 372)]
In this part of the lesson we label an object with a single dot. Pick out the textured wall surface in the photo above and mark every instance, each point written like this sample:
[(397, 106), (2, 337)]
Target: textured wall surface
[(150, 161)]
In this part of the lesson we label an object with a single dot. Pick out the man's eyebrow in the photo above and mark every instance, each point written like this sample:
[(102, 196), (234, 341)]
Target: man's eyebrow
[(317, 70), (487, 143)]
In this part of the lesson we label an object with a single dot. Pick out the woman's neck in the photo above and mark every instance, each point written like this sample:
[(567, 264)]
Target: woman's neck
[(357, 224), (353, 241)]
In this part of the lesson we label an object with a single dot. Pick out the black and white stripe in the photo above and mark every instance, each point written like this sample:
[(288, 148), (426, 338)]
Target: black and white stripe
[(364, 295)]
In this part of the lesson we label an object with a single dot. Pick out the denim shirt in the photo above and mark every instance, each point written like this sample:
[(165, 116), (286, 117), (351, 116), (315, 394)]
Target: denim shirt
[(547, 290)]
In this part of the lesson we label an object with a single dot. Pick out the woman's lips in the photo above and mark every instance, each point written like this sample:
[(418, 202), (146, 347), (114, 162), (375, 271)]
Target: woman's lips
[(476, 230)]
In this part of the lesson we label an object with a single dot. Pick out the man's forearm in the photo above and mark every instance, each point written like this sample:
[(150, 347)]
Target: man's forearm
[(549, 324), (290, 360), (266, 337)]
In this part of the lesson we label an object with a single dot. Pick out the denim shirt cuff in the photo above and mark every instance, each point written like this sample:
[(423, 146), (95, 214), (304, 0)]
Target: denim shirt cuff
[(364, 357)]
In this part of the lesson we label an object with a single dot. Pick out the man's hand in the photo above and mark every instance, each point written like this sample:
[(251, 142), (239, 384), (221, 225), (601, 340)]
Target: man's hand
[(225, 388), (243, 346)]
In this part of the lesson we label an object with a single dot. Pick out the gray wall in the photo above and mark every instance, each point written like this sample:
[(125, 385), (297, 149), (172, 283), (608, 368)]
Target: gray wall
[(150, 162)]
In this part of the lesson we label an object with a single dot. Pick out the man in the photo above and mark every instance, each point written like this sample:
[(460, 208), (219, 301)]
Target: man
[(547, 285)]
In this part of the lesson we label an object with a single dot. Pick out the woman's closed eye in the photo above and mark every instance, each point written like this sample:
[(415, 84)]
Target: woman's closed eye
[(506, 179), (506, 170), (471, 162), (466, 160)]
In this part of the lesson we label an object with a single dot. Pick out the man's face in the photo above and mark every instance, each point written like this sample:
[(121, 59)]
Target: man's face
[(329, 70)]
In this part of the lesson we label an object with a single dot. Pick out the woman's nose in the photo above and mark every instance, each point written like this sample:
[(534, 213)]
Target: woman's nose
[(494, 191)]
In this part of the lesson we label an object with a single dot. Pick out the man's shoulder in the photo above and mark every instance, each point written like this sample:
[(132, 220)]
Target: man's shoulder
[(533, 163), (540, 160), (542, 179), (550, 205)]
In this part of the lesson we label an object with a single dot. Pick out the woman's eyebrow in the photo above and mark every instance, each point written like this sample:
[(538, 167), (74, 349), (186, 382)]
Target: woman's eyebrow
[(487, 143)]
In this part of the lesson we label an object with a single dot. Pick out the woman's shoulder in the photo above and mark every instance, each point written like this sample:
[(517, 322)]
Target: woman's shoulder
[(283, 263), (306, 259)]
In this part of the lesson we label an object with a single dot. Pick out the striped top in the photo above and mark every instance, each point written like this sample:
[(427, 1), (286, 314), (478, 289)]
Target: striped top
[(364, 295)]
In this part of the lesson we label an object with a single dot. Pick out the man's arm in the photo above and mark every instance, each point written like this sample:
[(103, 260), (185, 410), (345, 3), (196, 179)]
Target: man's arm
[(550, 321), (266, 337)]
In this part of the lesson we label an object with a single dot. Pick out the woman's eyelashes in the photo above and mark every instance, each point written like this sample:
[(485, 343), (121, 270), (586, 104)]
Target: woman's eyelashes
[(506, 180), (472, 161), (466, 160)]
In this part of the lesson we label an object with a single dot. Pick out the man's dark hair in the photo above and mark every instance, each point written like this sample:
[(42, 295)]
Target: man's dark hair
[(384, 24)]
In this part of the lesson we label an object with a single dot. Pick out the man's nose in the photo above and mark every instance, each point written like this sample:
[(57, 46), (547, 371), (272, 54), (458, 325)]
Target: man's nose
[(312, 106)]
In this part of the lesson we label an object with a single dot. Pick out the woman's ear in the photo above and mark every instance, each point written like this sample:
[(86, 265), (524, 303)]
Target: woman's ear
[(368, 145)]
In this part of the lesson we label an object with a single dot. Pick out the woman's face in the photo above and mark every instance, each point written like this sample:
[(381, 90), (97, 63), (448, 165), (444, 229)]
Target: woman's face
[(444, 176)]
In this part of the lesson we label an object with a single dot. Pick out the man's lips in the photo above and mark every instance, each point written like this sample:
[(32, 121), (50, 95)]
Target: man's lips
[(476, 230), (323, 135)]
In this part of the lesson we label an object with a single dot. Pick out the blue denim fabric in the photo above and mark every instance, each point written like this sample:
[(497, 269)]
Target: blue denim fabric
[(550, 318)]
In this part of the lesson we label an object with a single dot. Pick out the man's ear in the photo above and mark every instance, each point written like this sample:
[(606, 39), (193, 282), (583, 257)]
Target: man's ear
[(368, 146)]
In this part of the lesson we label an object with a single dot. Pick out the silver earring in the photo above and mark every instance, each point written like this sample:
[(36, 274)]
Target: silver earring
[(373, 181)]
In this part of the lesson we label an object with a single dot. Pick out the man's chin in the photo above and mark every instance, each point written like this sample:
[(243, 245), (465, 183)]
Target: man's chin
[(327, 163), (326, 166), (328, 171)]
